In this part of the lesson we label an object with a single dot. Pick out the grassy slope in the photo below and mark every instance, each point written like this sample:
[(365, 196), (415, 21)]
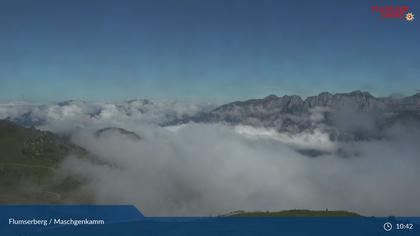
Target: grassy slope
[(28, 161), (294, 213)]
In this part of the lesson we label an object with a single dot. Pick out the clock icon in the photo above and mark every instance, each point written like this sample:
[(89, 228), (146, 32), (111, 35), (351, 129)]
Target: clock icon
[(387, 226)]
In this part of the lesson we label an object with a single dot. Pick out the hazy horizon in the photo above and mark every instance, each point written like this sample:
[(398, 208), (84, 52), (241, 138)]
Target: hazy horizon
[(5, 102)]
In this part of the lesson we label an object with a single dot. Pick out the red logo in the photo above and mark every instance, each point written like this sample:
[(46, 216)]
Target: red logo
[(394, 11), (391, 11)]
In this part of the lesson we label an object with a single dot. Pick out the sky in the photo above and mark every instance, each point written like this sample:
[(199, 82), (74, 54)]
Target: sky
[(203, 50)]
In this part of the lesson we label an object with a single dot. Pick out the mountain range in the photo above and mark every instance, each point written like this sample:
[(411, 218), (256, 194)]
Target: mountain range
[(121, 138), (351, 115), (345, 116)]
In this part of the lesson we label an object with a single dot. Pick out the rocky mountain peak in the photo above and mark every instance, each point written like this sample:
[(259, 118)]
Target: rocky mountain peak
[(271, 97), (291, 112)]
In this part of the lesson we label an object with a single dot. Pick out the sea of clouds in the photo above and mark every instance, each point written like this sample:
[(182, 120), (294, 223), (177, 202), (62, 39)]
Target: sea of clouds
[(212, 169)]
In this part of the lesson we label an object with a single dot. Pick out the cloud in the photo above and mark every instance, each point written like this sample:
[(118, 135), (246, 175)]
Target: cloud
[(202, 169), (211, 169), (65, 117), (311, 139)]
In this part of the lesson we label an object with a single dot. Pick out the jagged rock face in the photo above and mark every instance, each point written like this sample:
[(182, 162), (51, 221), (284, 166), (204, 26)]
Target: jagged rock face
[(357, 111), (356, 100), (255, 112), (411, 103)]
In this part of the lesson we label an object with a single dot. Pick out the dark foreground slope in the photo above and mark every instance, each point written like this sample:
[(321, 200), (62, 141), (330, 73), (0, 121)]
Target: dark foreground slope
[(294, 213), (29, 159)]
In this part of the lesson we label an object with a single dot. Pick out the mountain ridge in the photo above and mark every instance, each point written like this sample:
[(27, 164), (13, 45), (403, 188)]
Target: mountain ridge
[(364, 113), (289, 113), (29, 160)]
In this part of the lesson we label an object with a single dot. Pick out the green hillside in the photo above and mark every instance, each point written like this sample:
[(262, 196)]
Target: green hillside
[(294, 213), (28, 162)]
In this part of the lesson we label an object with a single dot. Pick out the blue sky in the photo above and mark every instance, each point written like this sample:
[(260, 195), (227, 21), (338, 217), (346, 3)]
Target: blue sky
[(196, 50)]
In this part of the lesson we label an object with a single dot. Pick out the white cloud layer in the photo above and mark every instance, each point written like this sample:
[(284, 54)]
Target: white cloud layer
[(209, 169)]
